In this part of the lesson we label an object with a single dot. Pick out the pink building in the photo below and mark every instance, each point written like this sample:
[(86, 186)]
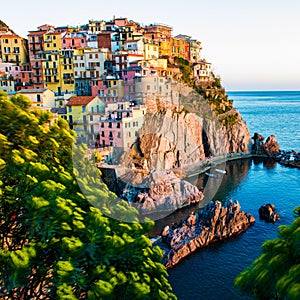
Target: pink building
[(74, 40), (121, 22), (98, 87), (121, 125), (25, 79), (129, 73)]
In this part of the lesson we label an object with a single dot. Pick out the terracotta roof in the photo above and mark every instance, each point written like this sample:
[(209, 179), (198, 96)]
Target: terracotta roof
[(80, 100), (10, 36)]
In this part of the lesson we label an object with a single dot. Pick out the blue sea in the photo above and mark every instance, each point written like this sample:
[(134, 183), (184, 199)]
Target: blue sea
[(209, 273)]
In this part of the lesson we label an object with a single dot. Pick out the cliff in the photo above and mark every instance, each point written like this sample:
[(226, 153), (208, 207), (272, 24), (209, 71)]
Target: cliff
[(187, 129)]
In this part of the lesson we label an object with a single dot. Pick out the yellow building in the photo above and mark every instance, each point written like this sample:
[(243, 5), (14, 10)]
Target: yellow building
[(84, 114), (180, 47), (13, 49), (52, 41), (66, 72), (165, 49), (58, 70), (150, 50)]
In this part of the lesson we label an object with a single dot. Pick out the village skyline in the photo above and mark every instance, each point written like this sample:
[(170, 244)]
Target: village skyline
[(252, 46)]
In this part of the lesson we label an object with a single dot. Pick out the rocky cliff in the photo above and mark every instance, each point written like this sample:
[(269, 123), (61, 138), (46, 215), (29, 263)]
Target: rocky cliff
[(187, 129)]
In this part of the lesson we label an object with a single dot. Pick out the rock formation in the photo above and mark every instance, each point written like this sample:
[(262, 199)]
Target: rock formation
[(183, 132), (267, 213), (164, 192), (215, 222), (271, 145)]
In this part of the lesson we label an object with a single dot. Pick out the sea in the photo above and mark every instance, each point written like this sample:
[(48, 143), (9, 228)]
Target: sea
[(209, 273)]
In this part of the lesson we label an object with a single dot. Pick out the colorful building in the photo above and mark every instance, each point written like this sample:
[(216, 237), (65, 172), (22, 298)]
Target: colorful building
[(119, 128), (43, 98), (13, 49), (180, 47), (74, 40), (83, 116), (36, 48), (151, 50), (159, 32), (88, 65), (7, 83)]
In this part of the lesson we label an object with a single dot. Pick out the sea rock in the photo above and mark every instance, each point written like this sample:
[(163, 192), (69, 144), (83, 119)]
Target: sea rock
[(271, 145), (215, 222), (257, 137), (257, 147), (267, 213)]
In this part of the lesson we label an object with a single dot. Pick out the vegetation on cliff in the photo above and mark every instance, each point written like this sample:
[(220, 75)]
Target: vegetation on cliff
[(54, 243), (212, 92), (276, 273)]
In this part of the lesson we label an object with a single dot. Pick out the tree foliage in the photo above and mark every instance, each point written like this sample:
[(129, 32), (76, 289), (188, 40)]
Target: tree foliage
[(276, 273), (54, 243)]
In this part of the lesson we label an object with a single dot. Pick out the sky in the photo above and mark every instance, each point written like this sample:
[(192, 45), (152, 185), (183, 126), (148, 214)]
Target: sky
[(252, 45)]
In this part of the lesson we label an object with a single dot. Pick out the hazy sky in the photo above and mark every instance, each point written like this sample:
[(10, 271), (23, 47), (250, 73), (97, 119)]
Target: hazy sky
[(253, 45)]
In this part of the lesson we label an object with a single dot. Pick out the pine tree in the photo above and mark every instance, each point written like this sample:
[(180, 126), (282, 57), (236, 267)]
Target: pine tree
[(54, 243)]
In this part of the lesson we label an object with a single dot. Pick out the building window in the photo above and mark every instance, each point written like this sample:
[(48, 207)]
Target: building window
[(91, 117), (83, 108), (103, 133), (69, 109)]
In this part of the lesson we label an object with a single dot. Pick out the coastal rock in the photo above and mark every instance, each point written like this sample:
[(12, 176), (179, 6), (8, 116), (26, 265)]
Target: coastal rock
[(167, 193), (271, 145), (215, 222), (257, 147), (267, 213)]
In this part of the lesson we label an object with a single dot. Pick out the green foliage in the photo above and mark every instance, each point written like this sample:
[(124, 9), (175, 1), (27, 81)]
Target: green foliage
[(54, 243), (185, 69), (276, 273), (217, 83)]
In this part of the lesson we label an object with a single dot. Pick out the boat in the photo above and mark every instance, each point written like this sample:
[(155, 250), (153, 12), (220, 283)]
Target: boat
[(221, 171), (212, 175)]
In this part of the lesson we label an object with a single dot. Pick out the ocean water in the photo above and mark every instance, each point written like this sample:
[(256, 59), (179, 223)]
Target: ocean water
[(269, 113), (209, 273)]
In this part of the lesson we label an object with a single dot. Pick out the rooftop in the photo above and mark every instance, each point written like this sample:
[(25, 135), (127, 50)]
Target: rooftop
[(31, 91), (80, 100)]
